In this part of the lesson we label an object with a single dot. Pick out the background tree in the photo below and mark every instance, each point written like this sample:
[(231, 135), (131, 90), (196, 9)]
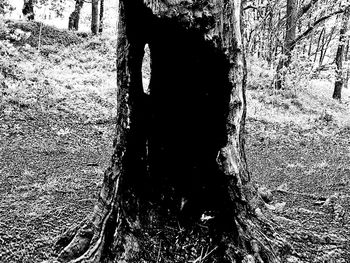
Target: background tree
[(284, 33), (94, 17), (28, 9), (178, 180), (342, 50), (74, 17), (100, 29), (289, 42)]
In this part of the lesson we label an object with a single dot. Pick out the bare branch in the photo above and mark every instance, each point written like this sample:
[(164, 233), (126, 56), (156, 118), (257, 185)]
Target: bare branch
[(312, 27), (249, 7), (306, 7)]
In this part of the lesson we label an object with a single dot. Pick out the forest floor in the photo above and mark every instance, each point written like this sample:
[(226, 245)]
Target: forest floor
[(57, 114)]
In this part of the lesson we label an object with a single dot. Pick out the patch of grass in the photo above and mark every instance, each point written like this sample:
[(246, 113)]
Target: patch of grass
[(79, 79), (38, 33), (305, 107)]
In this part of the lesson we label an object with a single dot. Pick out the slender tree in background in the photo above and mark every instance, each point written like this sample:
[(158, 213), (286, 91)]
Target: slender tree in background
[(74, 17), (100, 29), (289, 42), (341, 54), (28, 9), (94, 17), (178, 180)]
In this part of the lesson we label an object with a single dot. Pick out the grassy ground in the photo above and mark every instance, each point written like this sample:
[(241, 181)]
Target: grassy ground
[(56, 127), (298, 147)]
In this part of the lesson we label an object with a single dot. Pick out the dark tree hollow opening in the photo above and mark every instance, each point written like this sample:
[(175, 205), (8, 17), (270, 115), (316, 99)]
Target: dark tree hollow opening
[(181, 117)]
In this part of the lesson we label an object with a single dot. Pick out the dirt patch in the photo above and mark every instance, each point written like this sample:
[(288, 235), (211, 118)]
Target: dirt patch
[(51, 168), (309, 177)]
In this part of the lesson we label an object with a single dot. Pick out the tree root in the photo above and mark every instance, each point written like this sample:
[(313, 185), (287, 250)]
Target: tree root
[(255, 241), (77, 241)]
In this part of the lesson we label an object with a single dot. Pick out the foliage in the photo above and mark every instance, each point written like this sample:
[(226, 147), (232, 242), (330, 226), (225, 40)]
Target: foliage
[(260, 75), (5, 7), (299, 72), (58, 6)]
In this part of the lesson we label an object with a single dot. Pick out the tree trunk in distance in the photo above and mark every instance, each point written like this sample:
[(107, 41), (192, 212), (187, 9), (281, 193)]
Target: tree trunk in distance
[(28, 10), (339, 82), (291, 23), (178, 188), (346, 58), (94, 17), (102, 4), (319, 45), (73, 23)]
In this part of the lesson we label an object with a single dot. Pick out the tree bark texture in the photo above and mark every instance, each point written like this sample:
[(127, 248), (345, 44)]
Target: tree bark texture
[(28, 10), (94, 17), (102, 5), (339, 58), (178, 188), (73, 22)]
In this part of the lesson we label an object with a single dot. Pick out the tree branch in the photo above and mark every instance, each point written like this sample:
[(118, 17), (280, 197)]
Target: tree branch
[(307, 31), (306, 7), (249, 7)]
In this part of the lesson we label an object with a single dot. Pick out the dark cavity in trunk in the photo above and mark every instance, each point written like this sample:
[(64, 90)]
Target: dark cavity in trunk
[(183, 117)]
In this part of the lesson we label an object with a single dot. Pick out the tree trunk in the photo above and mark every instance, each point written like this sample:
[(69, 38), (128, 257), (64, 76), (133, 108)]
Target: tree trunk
[(270, 40), (347, 71), (94, 17), (178, 188), (74, 17), (339, 82), (325, 49), (28, 10), (102, 4), (289, 43)]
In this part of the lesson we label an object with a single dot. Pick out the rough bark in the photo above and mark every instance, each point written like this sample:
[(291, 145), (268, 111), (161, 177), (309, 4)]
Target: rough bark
[(74, 17), (28, 10), (94, 17), (178, 188), (102, 5), (340, 78)]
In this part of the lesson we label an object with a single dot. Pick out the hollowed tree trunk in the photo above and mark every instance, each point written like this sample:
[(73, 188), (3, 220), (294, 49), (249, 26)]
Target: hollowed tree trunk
[(178, 188)]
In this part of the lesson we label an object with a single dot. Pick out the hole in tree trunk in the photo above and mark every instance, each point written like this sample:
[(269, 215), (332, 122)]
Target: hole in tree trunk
[(180, 120), (146, 70), (189, 93)]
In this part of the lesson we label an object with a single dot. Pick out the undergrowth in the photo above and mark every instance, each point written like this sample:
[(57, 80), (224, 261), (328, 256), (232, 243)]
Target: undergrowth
[(78, 78), (36, 33), (306, 102)]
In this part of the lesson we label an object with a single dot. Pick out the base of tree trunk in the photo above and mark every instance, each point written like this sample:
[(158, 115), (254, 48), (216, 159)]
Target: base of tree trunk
[(337, 89), (167, 237)]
